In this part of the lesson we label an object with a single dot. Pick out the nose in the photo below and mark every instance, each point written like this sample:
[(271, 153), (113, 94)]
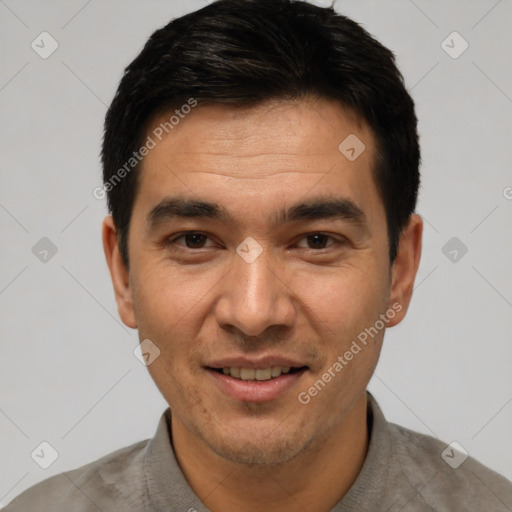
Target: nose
[(255, 296)]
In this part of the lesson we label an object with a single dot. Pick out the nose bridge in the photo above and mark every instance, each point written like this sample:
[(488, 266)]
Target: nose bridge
[(254, 297), (257, 289)]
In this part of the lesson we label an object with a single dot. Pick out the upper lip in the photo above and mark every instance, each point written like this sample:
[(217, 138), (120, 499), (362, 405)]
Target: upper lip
[(259, 363)]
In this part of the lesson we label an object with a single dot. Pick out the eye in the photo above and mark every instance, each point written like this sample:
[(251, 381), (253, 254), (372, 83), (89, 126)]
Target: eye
[(318, 241), (197, 240), (193, 240)]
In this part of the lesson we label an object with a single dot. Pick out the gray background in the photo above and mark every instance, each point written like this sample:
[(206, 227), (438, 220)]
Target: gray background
[(67, 369)]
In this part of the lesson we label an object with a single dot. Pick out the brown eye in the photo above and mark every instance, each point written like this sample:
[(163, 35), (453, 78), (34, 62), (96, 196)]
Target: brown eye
[(192, 240), (319, 241)]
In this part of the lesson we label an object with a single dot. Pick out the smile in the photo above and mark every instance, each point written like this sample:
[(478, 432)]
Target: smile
[(259, 374), (255, 384)]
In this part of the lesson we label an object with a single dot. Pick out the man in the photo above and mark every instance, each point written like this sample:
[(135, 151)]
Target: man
[(261, 164)]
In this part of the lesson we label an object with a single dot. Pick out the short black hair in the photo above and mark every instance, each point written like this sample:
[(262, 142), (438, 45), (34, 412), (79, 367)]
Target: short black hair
[(245, 52)]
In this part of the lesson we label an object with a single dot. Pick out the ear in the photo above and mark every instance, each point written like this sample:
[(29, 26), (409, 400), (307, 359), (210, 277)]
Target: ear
[(119, 273), (405, 267)]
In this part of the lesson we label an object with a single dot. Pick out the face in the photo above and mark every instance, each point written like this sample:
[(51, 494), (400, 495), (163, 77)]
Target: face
[(286, 266)]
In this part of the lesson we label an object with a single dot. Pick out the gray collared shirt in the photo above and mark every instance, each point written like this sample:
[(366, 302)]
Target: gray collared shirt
[(403, 471)]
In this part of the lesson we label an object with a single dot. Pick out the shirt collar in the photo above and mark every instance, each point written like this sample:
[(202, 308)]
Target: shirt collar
[(372, 488)]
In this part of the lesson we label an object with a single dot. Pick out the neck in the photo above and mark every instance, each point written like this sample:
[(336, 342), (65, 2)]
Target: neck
[(316, 479)]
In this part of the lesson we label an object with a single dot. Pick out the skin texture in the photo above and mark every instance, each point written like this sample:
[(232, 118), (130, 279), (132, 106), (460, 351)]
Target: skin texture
[(204, 301)]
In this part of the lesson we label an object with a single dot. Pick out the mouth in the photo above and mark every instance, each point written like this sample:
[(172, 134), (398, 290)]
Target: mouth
[(257, 374), (245, 384)]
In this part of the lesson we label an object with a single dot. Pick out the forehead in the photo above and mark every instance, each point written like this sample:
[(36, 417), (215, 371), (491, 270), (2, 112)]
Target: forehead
[(304, 128), (273, 153)]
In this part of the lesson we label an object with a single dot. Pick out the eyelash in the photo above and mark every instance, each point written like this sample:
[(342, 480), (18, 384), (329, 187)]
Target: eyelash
[(172, 241)]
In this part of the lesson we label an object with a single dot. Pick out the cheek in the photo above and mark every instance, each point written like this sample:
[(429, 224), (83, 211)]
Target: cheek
[(345, 300), (168, 305)]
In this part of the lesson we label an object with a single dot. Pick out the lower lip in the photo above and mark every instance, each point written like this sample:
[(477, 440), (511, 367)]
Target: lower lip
[(255, 390)]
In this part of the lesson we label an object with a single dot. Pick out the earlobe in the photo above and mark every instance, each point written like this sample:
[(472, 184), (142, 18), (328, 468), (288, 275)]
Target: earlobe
[(119, 273), (405, 267)]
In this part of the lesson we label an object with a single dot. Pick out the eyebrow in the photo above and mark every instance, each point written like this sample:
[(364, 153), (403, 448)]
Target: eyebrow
[(319, 208)]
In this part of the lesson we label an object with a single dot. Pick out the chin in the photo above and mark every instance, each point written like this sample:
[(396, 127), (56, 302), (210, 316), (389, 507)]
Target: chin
[(250, 453), (257, 447)]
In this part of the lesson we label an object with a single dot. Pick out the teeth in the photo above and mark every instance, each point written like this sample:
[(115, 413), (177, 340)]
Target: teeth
[(265, 374), (247, 373), (276, 371), (251, 374)]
